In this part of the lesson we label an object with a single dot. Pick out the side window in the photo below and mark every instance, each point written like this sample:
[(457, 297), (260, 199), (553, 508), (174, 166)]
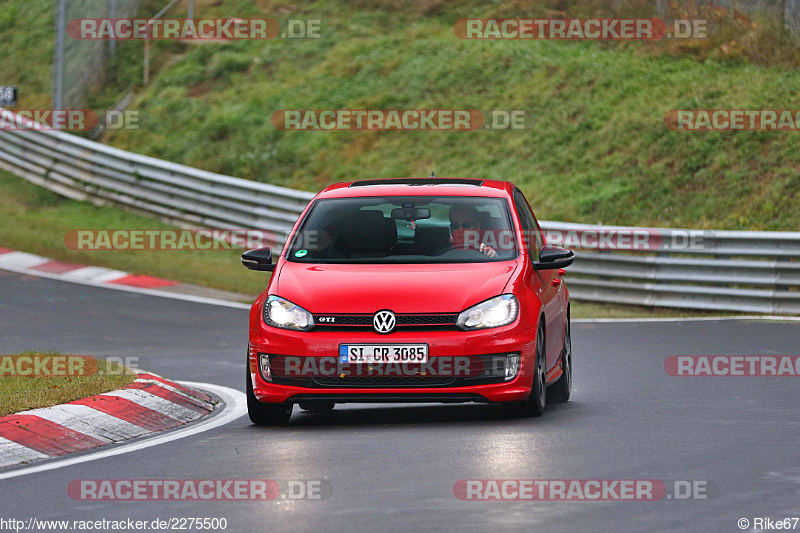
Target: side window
[(529, 226), (539, 233)]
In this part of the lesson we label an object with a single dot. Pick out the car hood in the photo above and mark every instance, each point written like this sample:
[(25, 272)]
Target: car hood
[(367, 288)]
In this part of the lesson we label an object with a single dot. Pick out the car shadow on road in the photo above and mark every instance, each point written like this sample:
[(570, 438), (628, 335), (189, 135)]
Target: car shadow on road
[(413, 414)]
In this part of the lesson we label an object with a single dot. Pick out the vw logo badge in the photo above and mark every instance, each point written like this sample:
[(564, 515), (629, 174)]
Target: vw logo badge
[(384, 321)]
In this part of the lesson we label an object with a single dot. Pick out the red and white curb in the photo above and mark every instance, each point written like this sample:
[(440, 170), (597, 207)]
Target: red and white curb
[(148, 405), (33, 264)]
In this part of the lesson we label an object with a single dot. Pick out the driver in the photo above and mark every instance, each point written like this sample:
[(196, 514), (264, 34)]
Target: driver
[(465, 230)]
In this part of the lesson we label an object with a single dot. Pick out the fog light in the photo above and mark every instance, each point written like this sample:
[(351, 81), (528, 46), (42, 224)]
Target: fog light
[(512, 366), (263, 366)]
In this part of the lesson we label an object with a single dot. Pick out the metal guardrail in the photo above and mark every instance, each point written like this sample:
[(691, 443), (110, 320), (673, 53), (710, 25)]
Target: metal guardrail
[(749, 271), (732, 270), (184, 196)]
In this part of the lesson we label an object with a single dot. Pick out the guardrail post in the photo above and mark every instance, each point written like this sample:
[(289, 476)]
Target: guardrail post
[(778, 285), (58, 59), (112, 13)]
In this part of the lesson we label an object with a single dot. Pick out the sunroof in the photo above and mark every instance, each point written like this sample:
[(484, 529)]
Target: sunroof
[(419, 181)]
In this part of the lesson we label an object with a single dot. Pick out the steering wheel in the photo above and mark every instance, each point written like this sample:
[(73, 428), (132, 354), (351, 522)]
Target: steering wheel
[(450, 247)]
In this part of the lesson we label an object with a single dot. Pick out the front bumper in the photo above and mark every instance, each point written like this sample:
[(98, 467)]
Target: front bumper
[(325, 344)]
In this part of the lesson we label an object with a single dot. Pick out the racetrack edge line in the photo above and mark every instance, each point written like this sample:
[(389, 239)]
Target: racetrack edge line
[(126, 288)]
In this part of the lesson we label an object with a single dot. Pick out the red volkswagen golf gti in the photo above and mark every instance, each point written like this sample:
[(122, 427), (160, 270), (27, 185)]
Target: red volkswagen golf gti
[(411, 290)]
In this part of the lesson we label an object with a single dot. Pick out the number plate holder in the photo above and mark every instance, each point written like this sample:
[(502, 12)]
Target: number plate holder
[(383, 353)]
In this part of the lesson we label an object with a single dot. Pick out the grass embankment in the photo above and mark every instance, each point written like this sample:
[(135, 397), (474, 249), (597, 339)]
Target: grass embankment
[(21, 393), (595, 147)]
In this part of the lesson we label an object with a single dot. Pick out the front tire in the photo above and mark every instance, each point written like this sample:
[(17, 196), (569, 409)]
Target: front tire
[(264, 414), (561, 390), (534, 404)]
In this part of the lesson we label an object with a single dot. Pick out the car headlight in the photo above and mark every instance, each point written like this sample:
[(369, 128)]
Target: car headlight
[(495, 312), (284, 314)]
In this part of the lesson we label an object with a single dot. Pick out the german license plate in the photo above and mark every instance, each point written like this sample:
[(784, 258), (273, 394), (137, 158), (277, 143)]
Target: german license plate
[(383, 353)]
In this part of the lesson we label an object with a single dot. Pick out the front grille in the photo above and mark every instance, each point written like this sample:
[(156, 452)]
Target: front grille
[(433, 320), (364, 322)]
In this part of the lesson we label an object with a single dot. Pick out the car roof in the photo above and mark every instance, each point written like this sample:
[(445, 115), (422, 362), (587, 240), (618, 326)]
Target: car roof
[(419, 187)]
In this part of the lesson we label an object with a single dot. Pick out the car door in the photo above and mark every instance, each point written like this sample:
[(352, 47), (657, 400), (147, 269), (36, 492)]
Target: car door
[(547, 282)]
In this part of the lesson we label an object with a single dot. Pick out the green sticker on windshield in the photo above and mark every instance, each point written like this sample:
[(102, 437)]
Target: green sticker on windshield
[(301, 253)]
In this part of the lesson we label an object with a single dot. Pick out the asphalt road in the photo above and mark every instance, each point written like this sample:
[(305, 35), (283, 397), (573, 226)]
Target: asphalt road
[(393, 468)]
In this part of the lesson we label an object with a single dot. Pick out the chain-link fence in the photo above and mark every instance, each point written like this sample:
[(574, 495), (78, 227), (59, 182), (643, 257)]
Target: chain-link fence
[(786, 12), (79, 65)]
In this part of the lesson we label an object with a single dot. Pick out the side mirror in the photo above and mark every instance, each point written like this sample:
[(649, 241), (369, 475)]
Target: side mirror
[(551, 257), (258, 259)]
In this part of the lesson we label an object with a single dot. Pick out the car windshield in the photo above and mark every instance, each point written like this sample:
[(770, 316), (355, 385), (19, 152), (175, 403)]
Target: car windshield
[(405, 229)]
